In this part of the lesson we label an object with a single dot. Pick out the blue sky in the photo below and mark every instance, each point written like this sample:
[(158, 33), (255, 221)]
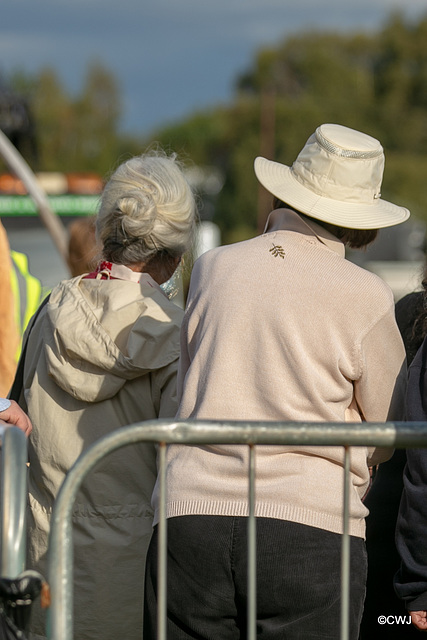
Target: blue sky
[(171, 57)]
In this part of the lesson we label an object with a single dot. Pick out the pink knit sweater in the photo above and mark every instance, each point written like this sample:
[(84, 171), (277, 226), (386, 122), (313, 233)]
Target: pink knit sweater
[(283, 327)]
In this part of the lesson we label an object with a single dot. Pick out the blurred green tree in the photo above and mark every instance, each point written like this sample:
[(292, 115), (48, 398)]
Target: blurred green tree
[(74, 133), (375, 82), (96, 121)]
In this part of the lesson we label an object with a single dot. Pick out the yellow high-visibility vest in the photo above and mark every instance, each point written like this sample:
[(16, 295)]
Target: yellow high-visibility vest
[(27, 292)]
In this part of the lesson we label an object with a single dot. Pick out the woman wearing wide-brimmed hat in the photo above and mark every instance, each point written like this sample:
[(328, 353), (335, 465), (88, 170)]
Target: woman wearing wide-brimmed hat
[(283, 327), (102, 354)]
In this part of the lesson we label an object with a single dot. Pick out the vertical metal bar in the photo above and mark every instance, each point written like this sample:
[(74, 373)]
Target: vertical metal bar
[(251, 548), (162, 550), (13, 502), (345, 550), (60, 562)]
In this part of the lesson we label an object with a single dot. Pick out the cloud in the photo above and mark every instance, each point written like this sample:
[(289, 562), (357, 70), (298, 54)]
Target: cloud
[(170, 56)]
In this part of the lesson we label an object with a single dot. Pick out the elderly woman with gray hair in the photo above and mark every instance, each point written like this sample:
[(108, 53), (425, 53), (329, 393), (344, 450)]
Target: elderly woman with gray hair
[(103, 354)]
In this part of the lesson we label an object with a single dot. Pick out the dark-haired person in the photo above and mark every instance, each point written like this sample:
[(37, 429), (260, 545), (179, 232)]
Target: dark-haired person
[(410, 581), (82, 246), (282, 327), (383, 501)]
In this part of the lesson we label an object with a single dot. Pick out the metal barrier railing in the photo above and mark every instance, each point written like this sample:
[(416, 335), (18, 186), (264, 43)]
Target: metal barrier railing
[(13, 501), (164, 432)]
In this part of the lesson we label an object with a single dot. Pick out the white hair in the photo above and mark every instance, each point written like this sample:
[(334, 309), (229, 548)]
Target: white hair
[(147, 209)]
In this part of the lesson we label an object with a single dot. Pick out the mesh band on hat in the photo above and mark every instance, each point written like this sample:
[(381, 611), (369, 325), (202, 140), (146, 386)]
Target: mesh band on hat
[(345, 153)]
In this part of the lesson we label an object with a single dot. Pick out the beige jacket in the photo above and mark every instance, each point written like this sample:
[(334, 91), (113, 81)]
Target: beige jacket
[(102, 354), (283, 327)]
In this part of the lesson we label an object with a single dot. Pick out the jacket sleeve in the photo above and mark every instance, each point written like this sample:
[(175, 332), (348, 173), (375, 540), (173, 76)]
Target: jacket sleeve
[(411, 580), (381, 387)]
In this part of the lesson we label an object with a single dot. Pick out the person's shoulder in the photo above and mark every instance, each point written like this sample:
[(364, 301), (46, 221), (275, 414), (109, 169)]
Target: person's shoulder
[(367, 285), (223, 249), (226, 251), (211, 257)]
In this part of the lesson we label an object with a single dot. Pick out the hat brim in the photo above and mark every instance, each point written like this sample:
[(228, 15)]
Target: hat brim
[(279, 180)]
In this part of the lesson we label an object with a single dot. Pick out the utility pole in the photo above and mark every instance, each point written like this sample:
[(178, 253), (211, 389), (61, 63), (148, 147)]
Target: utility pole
[(266, 148)]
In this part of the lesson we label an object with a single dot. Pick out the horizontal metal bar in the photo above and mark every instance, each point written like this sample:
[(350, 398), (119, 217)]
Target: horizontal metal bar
[(389, 434)]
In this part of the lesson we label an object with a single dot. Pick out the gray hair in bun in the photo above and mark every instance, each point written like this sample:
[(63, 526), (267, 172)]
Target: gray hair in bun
[(147, 209)]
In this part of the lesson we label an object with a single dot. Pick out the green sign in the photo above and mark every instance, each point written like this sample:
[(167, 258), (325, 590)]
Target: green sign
[(66, 205)]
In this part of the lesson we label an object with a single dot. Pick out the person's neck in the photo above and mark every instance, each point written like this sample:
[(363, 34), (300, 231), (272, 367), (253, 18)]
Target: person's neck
[(159, 270), (277, 218)]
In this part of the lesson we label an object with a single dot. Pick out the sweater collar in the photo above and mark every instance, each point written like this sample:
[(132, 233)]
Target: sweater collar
[(289, 220)]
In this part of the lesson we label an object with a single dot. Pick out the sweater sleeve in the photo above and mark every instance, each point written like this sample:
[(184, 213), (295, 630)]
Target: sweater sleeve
[(381, 387), (184, 359), (411, 579), (194, 292), (164, 391)]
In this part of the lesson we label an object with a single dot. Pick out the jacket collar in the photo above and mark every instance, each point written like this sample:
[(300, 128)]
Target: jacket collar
[(289, 220)]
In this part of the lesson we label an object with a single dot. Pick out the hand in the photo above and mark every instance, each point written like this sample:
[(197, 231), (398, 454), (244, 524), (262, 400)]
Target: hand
[(14, 415), (419, 619)]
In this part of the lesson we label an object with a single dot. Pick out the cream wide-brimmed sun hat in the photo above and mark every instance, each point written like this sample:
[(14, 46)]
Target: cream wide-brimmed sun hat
[(336, 178)]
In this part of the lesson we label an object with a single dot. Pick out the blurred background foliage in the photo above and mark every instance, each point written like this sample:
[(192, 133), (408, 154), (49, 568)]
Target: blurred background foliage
[(375, 82)]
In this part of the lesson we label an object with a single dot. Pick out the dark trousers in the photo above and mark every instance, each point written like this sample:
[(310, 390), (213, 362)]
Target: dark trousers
[(298, 580)]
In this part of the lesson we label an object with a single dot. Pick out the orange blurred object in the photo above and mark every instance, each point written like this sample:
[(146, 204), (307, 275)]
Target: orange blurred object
[(11, 184), (84, 183), (55, 183)]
